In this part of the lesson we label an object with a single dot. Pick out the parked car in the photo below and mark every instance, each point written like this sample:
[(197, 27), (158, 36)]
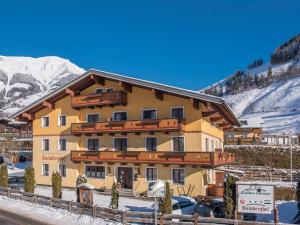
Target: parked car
[(183, 205), (215, 208)]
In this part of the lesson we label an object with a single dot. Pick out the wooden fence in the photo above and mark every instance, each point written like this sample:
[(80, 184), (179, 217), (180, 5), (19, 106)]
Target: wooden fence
[(124, 217)]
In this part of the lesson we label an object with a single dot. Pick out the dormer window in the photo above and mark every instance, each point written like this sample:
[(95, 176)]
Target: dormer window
[(99, 91)]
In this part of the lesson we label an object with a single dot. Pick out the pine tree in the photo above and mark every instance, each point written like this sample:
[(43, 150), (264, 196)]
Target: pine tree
[(270, 73), (81, 179), (56, 185), (29, 181), (114, 203), (3, 176), (165, 206), (229, 196)]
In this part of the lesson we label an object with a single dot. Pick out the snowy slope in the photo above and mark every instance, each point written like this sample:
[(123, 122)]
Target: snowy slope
[(25, 79)]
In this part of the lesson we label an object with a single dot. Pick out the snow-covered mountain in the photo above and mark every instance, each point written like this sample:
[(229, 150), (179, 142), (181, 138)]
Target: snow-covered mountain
[(270, 91), (25, 79)]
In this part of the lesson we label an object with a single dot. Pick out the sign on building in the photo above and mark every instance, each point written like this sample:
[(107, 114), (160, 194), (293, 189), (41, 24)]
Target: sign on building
[(157, 189), (255, 198)]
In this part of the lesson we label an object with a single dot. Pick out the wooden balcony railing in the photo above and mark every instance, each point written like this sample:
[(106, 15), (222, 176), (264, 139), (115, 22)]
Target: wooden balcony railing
[(243, 141), (104, 99), (149, 125), (207, 159)]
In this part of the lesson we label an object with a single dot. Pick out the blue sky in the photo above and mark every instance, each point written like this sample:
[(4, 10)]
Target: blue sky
[(190, 44)]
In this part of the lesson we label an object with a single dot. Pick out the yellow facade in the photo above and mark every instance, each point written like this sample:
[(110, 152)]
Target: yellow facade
[(199, 135)]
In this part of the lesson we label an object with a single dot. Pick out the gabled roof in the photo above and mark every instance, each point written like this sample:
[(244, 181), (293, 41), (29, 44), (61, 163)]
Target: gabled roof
[(220, 103)]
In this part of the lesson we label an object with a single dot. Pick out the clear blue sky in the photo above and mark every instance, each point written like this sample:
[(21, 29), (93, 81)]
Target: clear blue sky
[(190, 44)]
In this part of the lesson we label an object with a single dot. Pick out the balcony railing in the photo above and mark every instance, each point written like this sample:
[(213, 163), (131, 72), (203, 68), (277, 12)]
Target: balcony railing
[(243, 141), (104, 99), (149, 125), (207, 159)]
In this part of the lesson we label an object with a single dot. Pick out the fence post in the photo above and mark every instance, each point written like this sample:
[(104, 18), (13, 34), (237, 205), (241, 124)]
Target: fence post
[(35, 199), (161, 220), (124, 217), (8, 193), (70, 206), (22, 196), (50, 202), (196, 218), (94, 211)]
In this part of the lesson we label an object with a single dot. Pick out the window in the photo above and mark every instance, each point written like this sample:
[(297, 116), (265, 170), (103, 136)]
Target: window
[(120, 144), (95, 171), (45, 146), (45, 121), (92, 118), (99, 91), (178, 144), (177, 113), (109, 90), (151, 174), (45, 170), (207, 144), (149, 114), (93, 144), (178, 176), (117, 116), (62, 121), (151, 143), (62, 170), (62, 144)]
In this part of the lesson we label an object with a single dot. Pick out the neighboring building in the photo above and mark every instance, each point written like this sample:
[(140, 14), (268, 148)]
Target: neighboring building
[(249, 133), (280, 139), (114, 128)]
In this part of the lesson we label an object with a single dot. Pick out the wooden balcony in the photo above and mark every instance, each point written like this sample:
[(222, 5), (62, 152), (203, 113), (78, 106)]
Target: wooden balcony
[(243, 141), (205, 159), (127, 126), (104, 99)]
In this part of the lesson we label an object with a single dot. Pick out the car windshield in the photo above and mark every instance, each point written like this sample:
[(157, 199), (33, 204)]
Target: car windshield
[(202, 210)]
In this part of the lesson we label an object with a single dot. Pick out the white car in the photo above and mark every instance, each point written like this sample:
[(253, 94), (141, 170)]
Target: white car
[(183, 205)]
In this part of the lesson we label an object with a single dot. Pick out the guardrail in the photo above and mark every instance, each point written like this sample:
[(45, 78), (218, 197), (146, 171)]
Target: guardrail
[(124, 217)]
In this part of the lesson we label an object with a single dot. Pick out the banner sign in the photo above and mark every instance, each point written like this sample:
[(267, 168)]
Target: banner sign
[(255, 198)]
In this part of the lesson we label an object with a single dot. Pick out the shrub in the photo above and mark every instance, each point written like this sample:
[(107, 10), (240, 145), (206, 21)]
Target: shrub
[(3, 176), (56, 185), (285, 193), (114, 203), (165, 206), (229, 196), (29, 181)]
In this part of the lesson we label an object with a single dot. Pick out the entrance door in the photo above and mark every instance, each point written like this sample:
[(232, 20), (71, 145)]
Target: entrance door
[(125, 177)]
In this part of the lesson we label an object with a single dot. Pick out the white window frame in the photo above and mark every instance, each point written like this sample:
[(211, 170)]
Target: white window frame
[(145, 143), (151, 167), (43, 124), (142, 113), (43, 145), (172, 144), (59, 121), (98, 178), (87, 140), (59, 169), (177, 107), (113, 146), (113, 114), (109, 89), (87, 114), (43, 169), (59, 146), (177, 168)]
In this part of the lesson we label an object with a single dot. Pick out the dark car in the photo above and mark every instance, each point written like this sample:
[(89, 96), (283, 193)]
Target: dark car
[(215, 208)]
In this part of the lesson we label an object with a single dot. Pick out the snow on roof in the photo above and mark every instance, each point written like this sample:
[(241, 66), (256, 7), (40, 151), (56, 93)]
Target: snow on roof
[(15, 122), (252, 122), (86, 185)]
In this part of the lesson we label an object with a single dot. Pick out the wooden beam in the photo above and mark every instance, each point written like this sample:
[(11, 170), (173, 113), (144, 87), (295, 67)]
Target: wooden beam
[(50, 105), (70, 92), (97, 79), (158, 94), (216, 119), (126, 86), (28, 116), (208, 114), (196, 103)]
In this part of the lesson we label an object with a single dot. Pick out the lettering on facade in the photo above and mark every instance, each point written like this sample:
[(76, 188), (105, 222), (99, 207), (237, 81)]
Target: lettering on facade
[(54, 158)]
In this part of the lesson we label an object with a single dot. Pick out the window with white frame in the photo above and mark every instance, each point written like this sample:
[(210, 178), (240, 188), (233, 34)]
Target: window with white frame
[(119, 116), (92, 118), (93, 144), (45, 121), (151, 143), (151, 173), (120, 144), (62, 170), (177, 112), (45, 169), (149, 114), (62, 120), (178, 144), (95, 171), (178, 176), (45, 144), (62, 144)]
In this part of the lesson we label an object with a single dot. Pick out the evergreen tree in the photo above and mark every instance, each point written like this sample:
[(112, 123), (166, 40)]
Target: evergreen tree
[(114, 203), (270, 73), (165, 206), (229, 196), (3, 176), (56, 185), (29, 181), (81, 179)]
